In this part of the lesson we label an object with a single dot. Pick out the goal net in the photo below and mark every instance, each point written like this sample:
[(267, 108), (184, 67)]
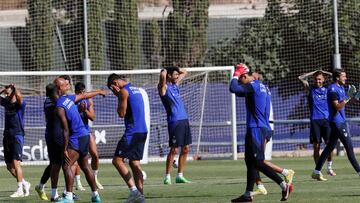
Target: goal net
[(205, 92)]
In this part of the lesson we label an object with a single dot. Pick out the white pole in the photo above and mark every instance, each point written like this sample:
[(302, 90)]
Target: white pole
[(336, 56), (202, 114), (233, 122), (86, 61)]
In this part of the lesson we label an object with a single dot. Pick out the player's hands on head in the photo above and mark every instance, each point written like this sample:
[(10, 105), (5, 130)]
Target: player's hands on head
[(115, 89), (240, 69)]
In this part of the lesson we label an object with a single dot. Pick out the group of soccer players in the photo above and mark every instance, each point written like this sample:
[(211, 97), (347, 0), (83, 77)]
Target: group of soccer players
[(69, 140)]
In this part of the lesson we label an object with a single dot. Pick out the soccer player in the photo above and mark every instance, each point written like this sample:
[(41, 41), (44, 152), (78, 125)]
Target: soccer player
[(287, 173), (319, 113), (55, 145), (257, 129), (131, 146), (86, 109), (13, 140), (76, 138), (177, 118), (337, 100)]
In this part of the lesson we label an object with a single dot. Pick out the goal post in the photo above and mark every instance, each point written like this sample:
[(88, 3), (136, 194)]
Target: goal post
[(205, 91)]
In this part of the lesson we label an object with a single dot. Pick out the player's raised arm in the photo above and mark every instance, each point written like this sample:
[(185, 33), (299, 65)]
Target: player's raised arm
[(162, 82), (122, 104), (88, 95), (182, 74), (90, 113), (303, 79)]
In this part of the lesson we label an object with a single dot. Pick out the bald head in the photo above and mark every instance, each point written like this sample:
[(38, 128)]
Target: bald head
[(61, 85)]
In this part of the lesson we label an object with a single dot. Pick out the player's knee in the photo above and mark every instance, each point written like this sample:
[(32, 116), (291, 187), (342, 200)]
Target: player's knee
[(95, 155), (185, 149), (173, 151)]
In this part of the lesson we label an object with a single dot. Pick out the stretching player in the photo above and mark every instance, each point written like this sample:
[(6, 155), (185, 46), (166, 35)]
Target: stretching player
[(55, 145), (86, 109), (287, 173), (13, 140), (256, 95), (319, 113), (337, 99), (76, 138), (75, 167), (131, 146), (178, 123)]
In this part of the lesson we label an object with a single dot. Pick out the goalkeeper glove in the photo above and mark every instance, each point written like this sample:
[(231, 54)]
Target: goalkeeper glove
[(357, 95), (351, 91), (347, 99), (240, 69)]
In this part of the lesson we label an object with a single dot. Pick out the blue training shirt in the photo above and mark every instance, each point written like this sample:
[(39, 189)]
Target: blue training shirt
[(76, 125), (83, 115), (319, 108), (256, 99), (135, 112), (336, 92), (53, 129), (14, 117), (174, 105)]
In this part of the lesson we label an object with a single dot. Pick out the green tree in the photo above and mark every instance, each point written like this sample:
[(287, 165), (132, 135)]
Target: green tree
[(152, 44), (127, 39), (40, 29), (186, 37), (95, 36)]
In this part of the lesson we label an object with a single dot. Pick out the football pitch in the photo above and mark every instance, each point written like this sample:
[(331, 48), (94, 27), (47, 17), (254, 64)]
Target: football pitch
[(213, 181)]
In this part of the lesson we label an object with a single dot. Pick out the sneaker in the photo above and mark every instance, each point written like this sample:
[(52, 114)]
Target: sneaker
[(54, 199), (242, 198), (182, 180), (259, 191), (289, 177), (98, 185), (96, 199), (26, 187), (134, 197), (76, 197), (64, 200), (331, 172), (286, 192), (318, 177), (79, 187), (167, 181), (142, 199), (41, 193), (17, 193)]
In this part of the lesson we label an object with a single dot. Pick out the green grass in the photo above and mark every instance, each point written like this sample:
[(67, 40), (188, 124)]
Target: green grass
[(213, 181)]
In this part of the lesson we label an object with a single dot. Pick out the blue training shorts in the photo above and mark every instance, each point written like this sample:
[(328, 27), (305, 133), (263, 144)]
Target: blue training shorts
[(131, 146), (13, 147), (255, 143), (179, 133)]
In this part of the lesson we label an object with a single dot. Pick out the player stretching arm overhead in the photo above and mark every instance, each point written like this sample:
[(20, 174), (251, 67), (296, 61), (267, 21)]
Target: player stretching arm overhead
[(177, 118), (319, 113)]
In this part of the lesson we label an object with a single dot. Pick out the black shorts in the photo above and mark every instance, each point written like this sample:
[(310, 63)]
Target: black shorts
[(13, 147), (131, 146), (255, 143), (319, 128), (179, 133), (55, 152), (81, 145)]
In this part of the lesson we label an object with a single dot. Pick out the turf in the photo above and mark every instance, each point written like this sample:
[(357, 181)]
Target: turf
[(213, 181)]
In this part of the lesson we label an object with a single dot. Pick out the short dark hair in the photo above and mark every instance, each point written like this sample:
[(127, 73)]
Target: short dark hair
[(317, 73), (79, 86), (336, 73), (66, 77), (114, 77), (171, 70), (51, 90)]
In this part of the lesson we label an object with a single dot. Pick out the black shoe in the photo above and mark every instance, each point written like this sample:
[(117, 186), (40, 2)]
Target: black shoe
[(286, 192), (242, 198), (75, 196)]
